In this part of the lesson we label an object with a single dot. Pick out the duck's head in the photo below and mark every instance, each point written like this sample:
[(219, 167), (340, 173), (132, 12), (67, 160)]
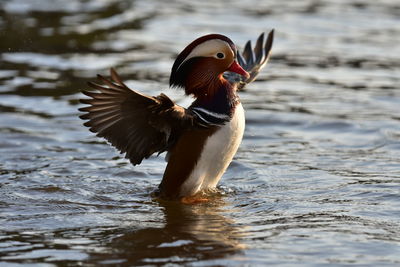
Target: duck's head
[(199, 67)]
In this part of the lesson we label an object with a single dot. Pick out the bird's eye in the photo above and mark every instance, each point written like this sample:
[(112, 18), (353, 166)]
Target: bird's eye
[(220, 55)]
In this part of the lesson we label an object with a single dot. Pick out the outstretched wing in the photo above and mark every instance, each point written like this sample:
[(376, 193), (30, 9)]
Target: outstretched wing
[(136, 124), (252, 60)]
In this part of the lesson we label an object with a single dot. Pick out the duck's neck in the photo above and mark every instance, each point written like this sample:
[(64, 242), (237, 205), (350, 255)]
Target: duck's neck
[(222, 98)]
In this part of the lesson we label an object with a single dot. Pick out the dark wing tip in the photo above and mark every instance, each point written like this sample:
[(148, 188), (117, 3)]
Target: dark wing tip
[(92, 84), (88, 93), (83, 109), (85, 116), (116, 78), (248, 54), (268, 44), (258, 49), (252, 59)]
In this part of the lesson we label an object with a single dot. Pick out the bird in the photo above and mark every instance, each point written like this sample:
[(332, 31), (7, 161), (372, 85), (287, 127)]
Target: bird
[(200, 140)]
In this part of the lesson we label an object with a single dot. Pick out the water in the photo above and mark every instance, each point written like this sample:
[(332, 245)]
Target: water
[(316, 180)]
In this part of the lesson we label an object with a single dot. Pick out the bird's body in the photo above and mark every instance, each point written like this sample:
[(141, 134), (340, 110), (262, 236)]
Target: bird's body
[(217, 153), (200, 140)]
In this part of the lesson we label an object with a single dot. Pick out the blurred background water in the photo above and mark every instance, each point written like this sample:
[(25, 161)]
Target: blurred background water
[(316, 180)]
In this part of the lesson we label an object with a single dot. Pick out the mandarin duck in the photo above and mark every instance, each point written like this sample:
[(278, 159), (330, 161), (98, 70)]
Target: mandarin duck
[(200, 140)]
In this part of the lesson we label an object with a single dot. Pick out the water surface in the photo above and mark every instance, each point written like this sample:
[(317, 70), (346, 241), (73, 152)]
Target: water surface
[(316, 180)]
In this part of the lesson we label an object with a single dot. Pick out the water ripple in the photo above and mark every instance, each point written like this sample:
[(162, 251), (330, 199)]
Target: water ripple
[(315, 181)]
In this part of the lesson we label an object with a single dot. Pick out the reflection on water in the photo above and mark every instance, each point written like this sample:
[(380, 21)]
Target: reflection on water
[(316, 180), (181, 234), (190, 233)]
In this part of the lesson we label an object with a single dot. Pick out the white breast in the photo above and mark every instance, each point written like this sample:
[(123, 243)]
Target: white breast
[(218, 152)]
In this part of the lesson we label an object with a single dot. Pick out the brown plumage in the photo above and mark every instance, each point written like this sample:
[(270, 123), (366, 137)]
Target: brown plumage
[(135, 124)]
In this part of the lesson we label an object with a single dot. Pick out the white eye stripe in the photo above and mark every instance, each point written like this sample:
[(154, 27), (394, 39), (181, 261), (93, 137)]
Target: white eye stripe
[(208, 49)]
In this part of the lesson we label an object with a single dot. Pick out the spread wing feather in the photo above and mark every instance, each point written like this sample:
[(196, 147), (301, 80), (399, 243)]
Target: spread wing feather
[(136, 124), (252, 60)]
